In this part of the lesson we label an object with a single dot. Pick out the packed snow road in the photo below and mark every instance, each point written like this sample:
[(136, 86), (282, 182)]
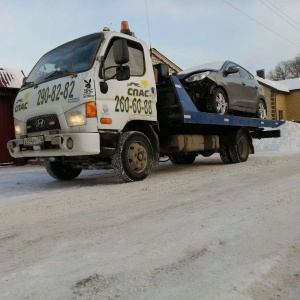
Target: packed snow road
[(204, 231)]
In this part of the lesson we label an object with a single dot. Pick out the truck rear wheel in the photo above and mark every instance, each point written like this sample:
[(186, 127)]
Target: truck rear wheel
[(133, 160), (182, 159), (225, 155), (239, 152), (61, 171)]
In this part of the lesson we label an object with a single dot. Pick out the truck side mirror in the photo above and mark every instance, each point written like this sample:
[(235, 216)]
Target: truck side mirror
[(121, 53), (123, 73), (231, 70)]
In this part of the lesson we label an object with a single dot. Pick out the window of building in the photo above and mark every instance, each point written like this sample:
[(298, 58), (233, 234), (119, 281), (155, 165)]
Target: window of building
[(280, 114)]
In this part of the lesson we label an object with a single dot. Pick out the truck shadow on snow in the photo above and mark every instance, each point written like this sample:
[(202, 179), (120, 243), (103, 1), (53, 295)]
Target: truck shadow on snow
[(39, 180), (108, 177)]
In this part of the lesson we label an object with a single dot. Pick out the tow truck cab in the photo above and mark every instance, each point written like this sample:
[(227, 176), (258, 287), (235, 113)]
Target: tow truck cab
[(81, 94)]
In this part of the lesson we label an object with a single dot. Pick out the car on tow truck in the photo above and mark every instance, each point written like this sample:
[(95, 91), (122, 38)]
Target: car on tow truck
[(224, 87)]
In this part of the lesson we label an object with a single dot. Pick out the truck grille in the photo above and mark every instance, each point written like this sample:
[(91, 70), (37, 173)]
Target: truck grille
[(42, 123)]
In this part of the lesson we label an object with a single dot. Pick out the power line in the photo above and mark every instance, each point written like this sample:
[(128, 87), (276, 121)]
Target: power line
[(148, 23), (261, 24), (278, 14), (283, 13)]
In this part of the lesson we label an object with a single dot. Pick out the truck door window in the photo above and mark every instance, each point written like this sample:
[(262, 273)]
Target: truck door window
[(136, 60)]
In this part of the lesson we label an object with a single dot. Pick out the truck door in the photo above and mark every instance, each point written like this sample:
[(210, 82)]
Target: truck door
[(127, 99)]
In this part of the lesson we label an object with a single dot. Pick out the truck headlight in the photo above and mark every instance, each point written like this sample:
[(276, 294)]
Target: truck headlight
[(18, 127), (75, 118), (78, 115), (197, 77)]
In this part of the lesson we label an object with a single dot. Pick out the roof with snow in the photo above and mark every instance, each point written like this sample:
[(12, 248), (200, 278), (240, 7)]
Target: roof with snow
[(11, 78), (277, 85), (292, 84)]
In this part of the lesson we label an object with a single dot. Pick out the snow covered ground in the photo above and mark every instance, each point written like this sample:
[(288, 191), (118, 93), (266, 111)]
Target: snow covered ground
[(204, 231)]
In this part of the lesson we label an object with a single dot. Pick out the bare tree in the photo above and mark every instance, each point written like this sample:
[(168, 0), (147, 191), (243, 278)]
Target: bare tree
[(294, 67), (286, 69)]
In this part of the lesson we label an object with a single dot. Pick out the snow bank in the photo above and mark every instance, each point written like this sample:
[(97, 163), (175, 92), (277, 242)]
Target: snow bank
[(289, 140)]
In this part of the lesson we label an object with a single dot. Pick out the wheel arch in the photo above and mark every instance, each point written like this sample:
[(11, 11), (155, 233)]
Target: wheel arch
[(223, 89), (213, 87), (210, 103), (148, 129)]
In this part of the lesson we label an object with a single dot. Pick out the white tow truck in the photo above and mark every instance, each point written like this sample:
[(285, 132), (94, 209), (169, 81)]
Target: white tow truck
[(96, 102)]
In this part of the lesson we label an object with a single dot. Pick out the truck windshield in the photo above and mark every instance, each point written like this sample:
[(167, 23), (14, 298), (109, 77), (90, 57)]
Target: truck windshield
[(73, 57)]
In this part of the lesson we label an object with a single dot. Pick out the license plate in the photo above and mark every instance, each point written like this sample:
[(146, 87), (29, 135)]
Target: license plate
[(33, 140)]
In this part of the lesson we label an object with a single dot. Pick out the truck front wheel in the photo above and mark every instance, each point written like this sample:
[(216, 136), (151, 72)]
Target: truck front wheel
[(61, 171), (133, 159)]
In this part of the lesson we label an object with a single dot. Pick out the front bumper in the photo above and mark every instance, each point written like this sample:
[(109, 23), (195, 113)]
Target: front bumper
[(57, 145)]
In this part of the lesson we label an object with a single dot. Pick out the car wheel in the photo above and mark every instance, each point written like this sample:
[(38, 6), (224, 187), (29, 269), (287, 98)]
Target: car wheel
[(261, 111), (219, 102)]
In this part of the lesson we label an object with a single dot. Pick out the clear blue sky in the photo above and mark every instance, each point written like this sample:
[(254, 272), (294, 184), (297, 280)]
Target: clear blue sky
[(188, 32)]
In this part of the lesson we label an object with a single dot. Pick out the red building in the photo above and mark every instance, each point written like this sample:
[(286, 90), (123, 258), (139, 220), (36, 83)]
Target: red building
[(10, 83)]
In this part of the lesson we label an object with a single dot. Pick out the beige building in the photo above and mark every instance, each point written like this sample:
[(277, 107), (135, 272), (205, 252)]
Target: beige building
[(282, 98), (158, 58)]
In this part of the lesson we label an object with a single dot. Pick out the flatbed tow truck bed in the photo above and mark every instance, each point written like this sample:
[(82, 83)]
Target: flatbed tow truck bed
[(193, 116), (183, 128)]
